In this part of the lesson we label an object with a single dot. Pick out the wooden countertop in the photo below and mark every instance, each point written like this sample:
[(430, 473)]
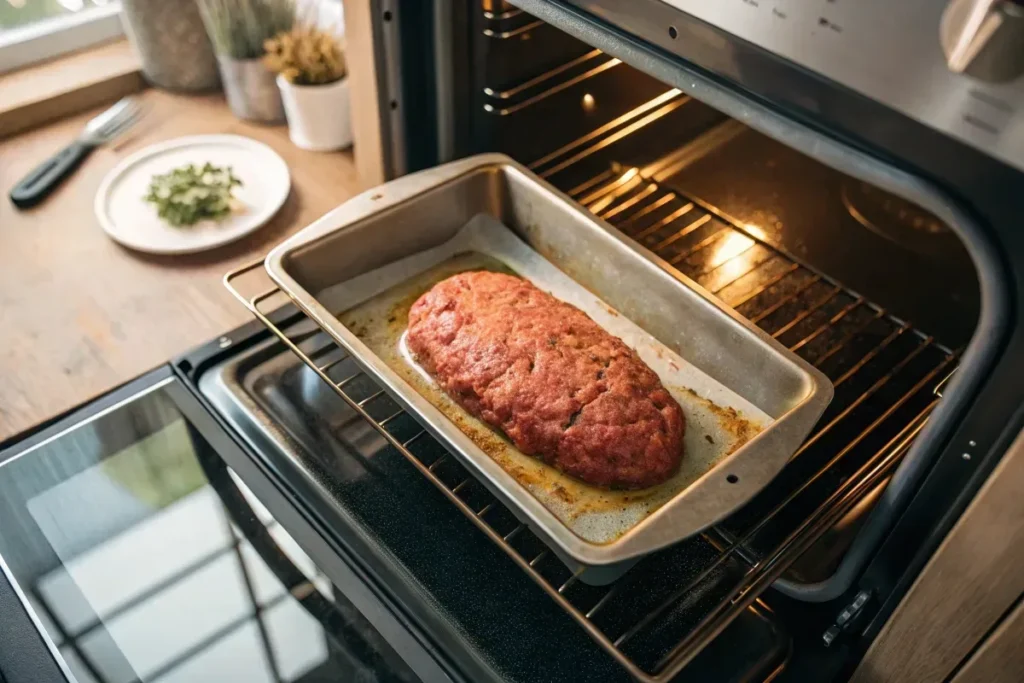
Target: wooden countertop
[(80, 314)]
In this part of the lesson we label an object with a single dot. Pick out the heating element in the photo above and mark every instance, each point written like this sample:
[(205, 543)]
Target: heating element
[(655, 619)]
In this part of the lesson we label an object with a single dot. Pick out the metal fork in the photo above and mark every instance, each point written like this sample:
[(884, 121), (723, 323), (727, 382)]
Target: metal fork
[(35, 186)]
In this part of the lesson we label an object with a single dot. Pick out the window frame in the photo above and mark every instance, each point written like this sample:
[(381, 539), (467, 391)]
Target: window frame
[(43, 40)]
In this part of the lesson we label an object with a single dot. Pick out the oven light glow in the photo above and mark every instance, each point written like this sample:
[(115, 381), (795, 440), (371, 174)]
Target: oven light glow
[(589, 103), (756, 231), (626, 182), (728, 259)]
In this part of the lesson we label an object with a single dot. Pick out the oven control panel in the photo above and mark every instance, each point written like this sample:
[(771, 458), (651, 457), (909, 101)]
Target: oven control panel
[(954, 65)]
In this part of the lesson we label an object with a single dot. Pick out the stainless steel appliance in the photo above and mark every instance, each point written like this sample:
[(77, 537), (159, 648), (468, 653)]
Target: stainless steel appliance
[(844, 175)]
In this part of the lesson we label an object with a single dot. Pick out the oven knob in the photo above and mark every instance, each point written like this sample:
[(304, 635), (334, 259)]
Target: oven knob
[(984, 38)]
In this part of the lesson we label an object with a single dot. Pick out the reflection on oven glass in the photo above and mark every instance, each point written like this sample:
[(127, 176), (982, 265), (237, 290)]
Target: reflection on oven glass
[(153, 582)]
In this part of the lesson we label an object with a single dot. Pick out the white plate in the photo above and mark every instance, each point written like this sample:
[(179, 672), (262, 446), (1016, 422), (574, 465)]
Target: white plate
[(131, 220)]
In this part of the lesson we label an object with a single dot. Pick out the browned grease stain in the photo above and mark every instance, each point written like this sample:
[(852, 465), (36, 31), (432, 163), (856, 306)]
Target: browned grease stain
[(561, 493), (740, 428), (535, 475)]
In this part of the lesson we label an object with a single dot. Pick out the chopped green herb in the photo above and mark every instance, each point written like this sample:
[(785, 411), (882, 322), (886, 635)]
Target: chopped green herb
[(188, 194)]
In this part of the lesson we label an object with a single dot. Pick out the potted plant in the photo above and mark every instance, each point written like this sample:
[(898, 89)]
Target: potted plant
[(310, 67), (238, 30), (169, 39)]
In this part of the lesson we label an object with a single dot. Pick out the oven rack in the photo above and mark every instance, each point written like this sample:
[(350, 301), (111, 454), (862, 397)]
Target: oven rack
[(867, 353)]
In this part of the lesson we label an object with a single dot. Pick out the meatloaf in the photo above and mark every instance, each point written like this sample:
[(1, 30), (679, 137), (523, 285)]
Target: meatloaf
[(540, 370)]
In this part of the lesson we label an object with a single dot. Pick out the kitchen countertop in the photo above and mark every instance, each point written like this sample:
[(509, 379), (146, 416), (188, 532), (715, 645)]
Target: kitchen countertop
[(80, 314)]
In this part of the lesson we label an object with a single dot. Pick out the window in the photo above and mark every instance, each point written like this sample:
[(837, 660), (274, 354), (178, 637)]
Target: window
[(35, 30)]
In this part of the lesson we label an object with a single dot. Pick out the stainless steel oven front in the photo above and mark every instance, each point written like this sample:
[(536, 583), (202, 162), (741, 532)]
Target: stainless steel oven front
[(843, 174)]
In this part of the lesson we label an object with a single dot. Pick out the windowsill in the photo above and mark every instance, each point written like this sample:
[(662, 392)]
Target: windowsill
[(41, 93)]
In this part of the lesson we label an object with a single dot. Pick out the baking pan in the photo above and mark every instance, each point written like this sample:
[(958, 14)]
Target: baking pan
[(368, 247)]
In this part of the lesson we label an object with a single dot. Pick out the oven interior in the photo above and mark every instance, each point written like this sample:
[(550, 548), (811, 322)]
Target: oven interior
[(876, 292)]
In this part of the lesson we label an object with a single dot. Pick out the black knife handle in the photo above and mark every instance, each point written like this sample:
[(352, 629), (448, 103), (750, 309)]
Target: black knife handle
[(34, 187)]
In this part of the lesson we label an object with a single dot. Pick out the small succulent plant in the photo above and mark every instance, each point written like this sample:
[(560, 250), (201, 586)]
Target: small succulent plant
[(305, 55)]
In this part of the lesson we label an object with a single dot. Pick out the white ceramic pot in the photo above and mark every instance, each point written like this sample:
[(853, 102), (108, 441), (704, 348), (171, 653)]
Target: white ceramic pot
[(318, 115)]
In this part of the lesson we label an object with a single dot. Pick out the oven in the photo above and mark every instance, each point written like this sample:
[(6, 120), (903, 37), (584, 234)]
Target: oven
[(844, 176)]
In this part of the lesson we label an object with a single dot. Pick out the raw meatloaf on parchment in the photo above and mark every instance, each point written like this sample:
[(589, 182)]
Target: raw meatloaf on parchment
[(558, 385)]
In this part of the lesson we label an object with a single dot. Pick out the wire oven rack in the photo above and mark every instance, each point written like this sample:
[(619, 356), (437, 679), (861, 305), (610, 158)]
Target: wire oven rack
[(655, 619)]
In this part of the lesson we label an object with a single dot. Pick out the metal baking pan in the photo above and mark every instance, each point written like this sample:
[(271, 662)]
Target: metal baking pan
[(352, 265)]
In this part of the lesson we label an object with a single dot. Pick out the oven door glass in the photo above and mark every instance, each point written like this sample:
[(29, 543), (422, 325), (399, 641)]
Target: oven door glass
[(145, 559)]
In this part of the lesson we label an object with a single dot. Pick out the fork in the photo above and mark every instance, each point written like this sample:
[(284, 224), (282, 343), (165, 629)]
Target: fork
[(42, 180)]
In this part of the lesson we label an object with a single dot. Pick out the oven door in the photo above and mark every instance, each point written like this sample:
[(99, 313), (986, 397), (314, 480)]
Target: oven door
[(131, 552), (347, 494)]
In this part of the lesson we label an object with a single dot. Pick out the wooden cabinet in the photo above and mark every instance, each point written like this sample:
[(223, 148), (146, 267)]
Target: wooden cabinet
[(1000, 659), (970, 588)]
